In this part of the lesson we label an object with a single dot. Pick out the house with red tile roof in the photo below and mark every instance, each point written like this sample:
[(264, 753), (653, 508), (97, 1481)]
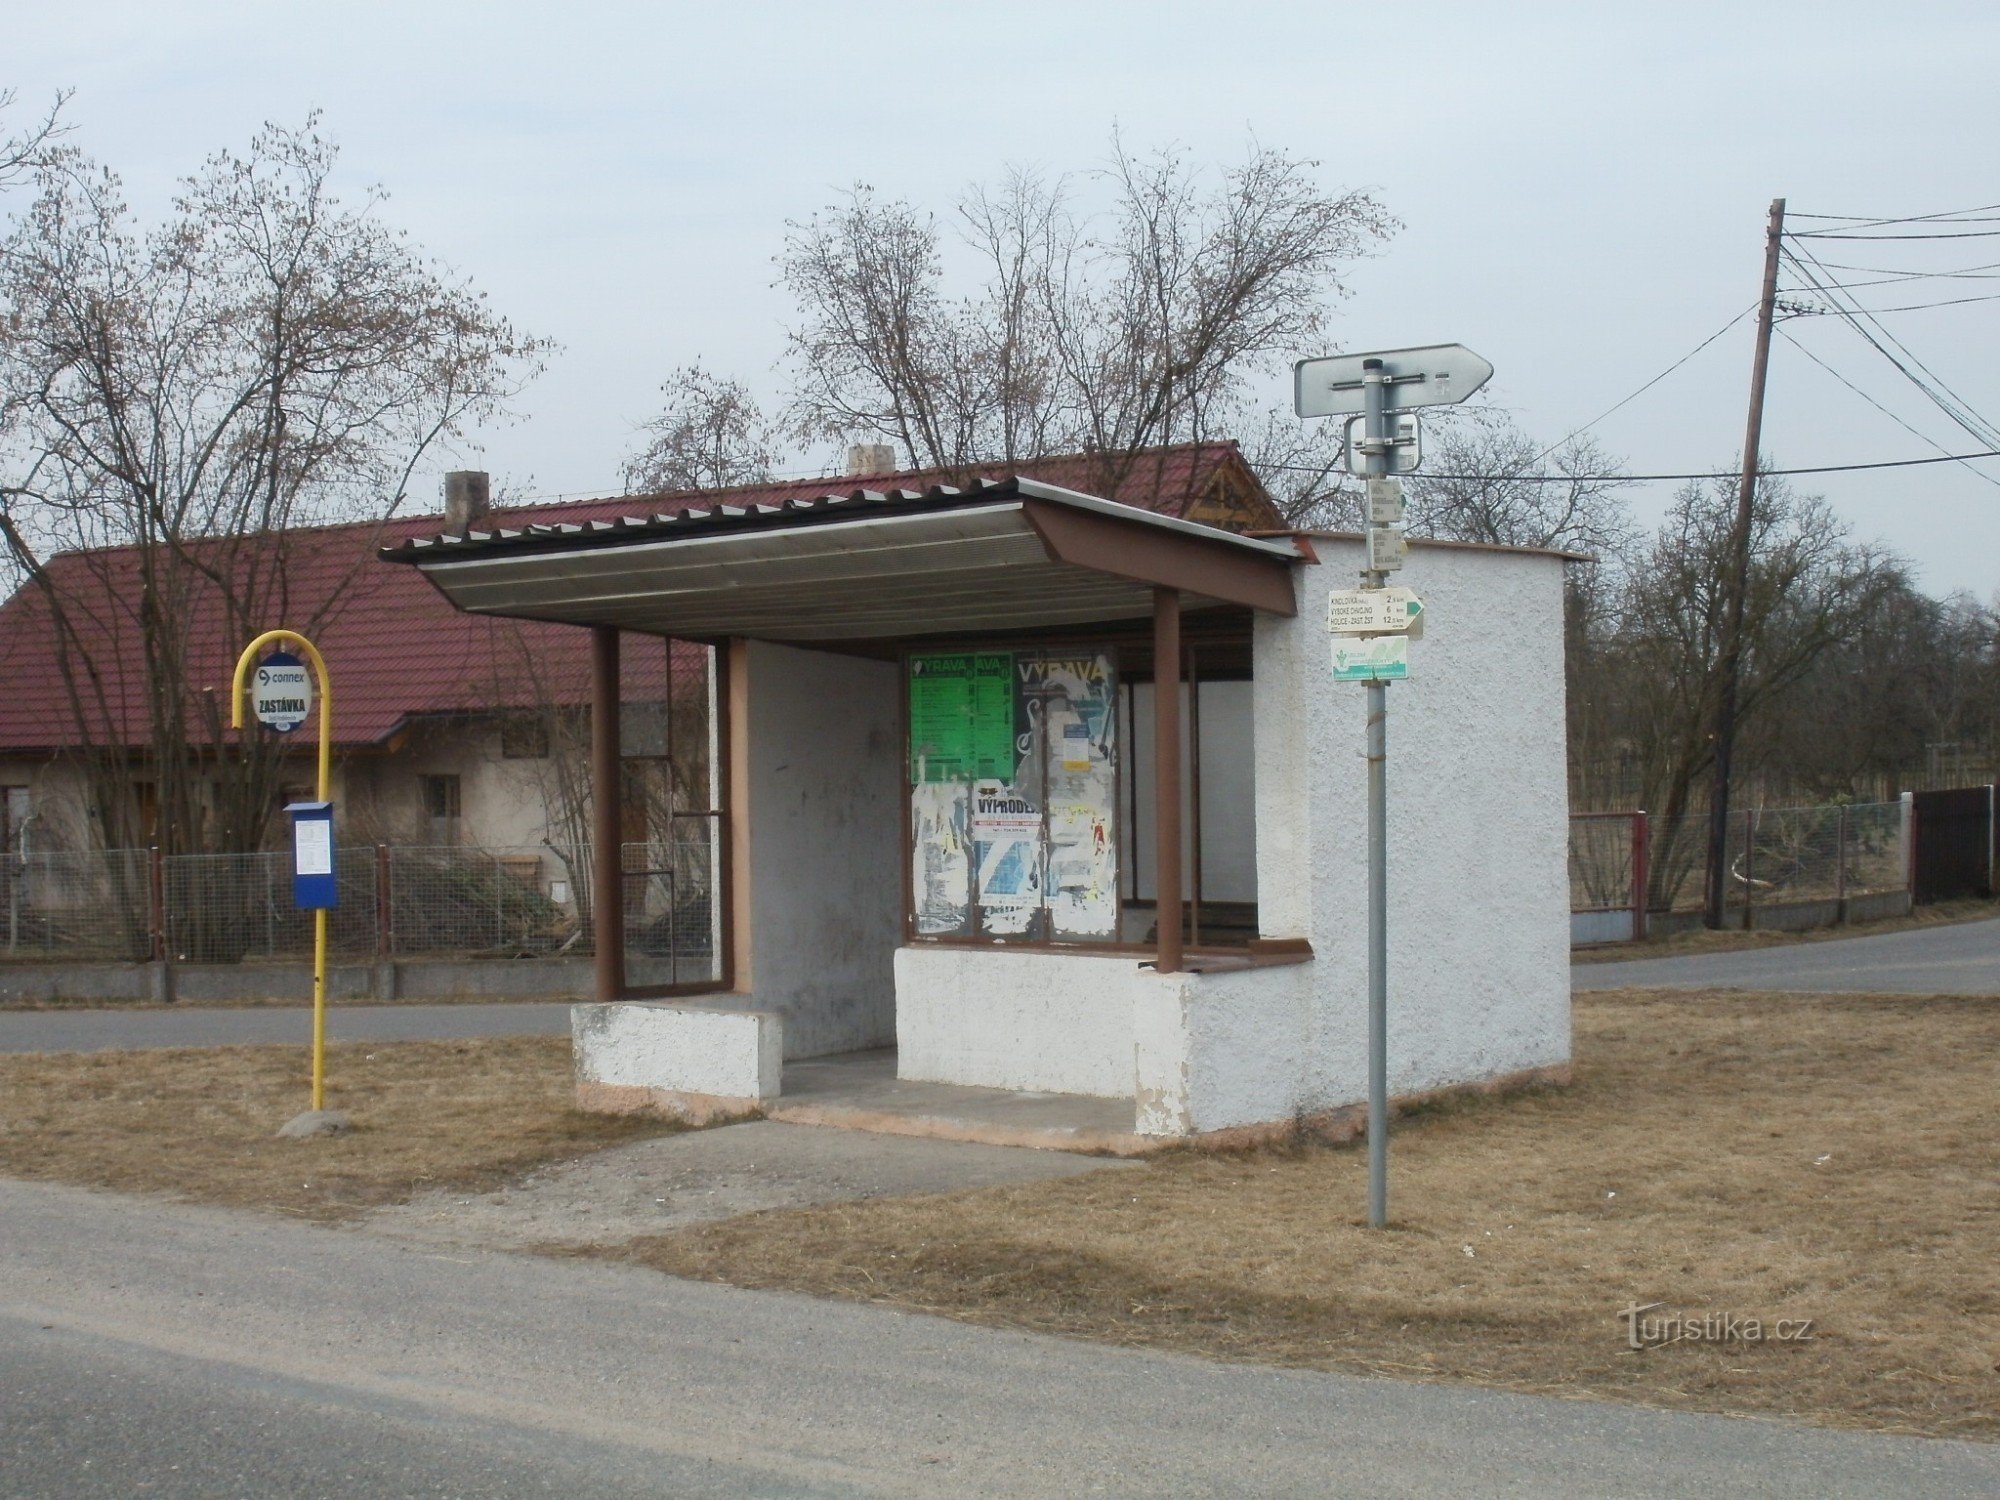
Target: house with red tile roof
[(441, 718)]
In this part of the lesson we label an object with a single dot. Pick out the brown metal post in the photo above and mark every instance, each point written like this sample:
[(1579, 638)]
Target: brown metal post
[(156, 900), (1167, 776), (607, 865), (735, 656), (1749, 865), (382, 942), (1193, 670), (1642, 875), (1840, 867)]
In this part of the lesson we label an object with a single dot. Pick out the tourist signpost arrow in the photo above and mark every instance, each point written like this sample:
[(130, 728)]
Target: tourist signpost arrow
[(1435, 375), (1372, 611), (1381, 388)]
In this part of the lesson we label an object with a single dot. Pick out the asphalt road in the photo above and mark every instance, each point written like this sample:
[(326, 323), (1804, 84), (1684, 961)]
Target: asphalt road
[(170, 1350), (65, 1030), (1960, 958)]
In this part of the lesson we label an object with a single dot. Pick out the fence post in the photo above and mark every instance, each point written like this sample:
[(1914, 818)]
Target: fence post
[(156, 906), (1992, 844), (382, 901), (1749, 866), (1840, 868), (1641, 875), (1909, 842)]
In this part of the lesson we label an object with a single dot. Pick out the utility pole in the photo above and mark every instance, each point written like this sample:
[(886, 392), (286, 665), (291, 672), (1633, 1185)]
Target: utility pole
[(1737, 582)]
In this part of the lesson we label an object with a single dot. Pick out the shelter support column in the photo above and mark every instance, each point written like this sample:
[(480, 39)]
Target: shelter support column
[(607, 815), (1167, 776), (734, 657)]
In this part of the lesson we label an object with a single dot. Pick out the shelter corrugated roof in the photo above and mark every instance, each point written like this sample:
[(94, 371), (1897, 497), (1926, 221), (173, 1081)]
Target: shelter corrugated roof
[(397, 648)]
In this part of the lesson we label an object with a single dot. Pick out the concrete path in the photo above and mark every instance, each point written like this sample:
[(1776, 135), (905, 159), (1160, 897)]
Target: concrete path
[(183, 1351), (1960, 958), (650, 1187), (219, 1026)]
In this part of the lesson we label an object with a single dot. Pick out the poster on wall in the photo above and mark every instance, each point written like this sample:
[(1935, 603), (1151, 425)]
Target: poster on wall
[(941, 854), (1014, 775), (1066, 726)]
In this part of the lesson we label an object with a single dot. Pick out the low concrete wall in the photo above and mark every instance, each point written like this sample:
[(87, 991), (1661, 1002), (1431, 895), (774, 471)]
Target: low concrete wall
[(211, 984), (1586, 927), (1791, 916), (1056, 1023), (696, 1062)]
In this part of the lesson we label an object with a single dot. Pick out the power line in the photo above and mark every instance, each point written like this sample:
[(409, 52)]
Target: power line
[(1968, 272), (1914, 432), (1888, 463), (1642, 389), (1828, 234), (1876, 221), (1957, 408), (1906, 307)]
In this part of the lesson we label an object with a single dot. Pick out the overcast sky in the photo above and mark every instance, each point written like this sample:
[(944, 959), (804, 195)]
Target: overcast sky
[(1583, 188)]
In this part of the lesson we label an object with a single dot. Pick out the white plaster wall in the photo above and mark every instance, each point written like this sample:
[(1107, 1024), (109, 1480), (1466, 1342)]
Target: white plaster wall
[(679, 1049), (1216, 1050), (825, 845), (1478, 875), (1057, 1023)]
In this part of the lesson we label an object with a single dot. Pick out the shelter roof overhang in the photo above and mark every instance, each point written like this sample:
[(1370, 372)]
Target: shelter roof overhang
[(1003, 555)]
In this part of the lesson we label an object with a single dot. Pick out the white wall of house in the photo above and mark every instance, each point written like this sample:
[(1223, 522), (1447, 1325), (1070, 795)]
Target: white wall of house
[(505, 802)]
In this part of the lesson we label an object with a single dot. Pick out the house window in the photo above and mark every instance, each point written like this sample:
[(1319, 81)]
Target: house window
[(525, 737), (442, 807)]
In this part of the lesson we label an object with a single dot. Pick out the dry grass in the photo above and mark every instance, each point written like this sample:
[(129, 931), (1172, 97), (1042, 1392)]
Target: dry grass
[(1831, 1158), (1701, 940), (268, 1002), (200, 1122)]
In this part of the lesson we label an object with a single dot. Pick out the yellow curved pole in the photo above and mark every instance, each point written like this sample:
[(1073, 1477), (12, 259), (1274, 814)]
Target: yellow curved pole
[(325, 684)]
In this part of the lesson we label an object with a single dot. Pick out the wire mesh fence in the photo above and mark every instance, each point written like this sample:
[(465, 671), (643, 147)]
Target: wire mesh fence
[(76, 906), (395, 902), (1772, 856)]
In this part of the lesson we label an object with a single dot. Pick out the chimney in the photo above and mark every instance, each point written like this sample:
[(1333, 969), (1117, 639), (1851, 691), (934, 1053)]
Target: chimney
[(870, 458), (468, 495)]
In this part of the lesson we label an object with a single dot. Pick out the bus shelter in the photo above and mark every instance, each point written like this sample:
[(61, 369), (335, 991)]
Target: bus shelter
[(1054, 794)]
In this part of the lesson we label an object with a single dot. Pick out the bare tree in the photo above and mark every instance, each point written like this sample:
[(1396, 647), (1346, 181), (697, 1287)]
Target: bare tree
[(1111, 332), (711, 434), (1484, 480), (265, 358), (1656, 663), (25, 149)]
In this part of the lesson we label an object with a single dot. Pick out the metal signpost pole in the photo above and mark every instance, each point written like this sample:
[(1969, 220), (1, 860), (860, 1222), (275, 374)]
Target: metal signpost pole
[(1372, 627), (1375, 456)]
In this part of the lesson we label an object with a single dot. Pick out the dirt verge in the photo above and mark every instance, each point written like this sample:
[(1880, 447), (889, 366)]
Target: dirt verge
[(1757, 1157), (201, 1122)]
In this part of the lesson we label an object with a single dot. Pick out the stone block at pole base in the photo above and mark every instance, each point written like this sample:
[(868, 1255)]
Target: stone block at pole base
[(315, 1122)]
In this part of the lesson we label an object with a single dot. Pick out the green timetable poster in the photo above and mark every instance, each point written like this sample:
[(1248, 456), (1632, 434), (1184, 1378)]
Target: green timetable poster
[(962, 716)]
